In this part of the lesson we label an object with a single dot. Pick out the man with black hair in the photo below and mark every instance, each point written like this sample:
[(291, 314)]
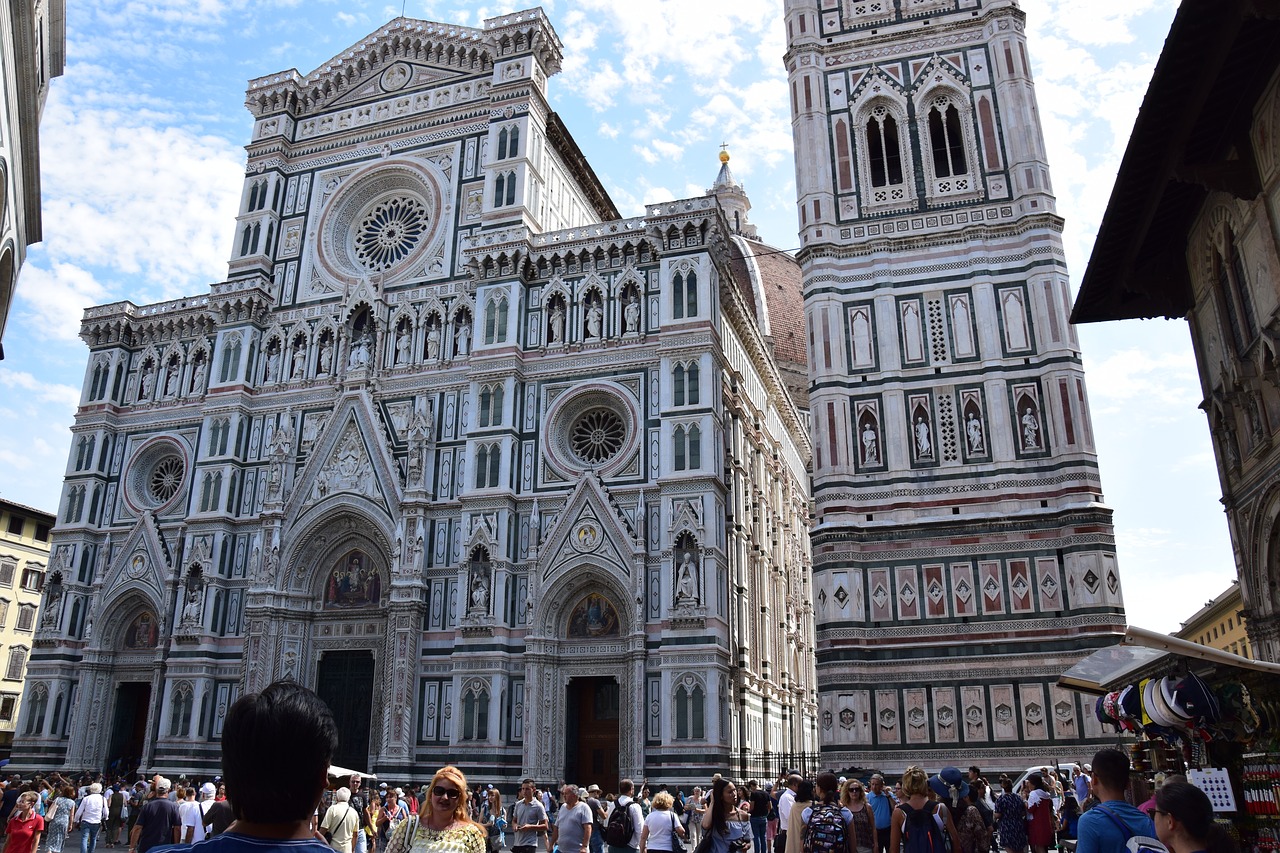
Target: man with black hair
[(276, 750), (1107, 827)]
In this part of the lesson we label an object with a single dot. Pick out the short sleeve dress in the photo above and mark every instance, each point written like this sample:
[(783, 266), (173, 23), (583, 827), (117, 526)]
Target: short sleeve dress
[(1012, 825), (467, 838)]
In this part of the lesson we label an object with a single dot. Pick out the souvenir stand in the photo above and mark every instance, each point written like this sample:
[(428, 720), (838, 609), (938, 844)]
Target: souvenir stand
[(1180, 707)]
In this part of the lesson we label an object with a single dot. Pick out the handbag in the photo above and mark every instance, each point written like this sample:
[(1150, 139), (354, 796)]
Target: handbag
[(677, 845), (704, 845)]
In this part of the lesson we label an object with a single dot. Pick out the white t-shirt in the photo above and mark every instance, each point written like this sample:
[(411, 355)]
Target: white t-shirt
[(191, 814)]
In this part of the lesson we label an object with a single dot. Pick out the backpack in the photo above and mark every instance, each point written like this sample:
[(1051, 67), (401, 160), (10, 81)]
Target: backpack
[(824, 831), (620, 829), (920, 831), (1134, 843)]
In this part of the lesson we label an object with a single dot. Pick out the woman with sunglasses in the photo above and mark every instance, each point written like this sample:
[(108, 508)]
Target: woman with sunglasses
[(854, 798), (445, 824)]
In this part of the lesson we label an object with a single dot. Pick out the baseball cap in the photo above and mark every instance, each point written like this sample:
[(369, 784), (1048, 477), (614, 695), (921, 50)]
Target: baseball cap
[(208, 789)]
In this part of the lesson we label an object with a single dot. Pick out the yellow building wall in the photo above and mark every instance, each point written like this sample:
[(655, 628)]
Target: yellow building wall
[(24, 560)]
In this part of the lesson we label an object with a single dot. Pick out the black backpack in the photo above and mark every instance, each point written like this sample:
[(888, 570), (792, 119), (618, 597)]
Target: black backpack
[(620, 829), (920, 830)]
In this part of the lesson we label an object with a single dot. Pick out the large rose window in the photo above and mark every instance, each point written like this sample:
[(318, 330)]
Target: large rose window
[(390, 232), (597, 436)]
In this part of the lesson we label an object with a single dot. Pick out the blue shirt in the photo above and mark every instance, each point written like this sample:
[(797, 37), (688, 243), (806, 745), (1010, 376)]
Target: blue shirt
[(234, 842), (882, 807), (1099, 832)]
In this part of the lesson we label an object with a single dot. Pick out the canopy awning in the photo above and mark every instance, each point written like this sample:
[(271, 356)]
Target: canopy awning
[(1141, 650), (338, 772)]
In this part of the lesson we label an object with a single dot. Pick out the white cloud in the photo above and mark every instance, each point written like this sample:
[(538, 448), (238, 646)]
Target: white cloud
[(609, 131), (51, 302)]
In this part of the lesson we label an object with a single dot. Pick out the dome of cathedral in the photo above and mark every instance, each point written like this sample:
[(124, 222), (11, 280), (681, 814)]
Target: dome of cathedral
[(770, 282)]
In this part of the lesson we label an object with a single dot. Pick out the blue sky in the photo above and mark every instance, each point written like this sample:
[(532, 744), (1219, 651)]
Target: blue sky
[(143, 159)]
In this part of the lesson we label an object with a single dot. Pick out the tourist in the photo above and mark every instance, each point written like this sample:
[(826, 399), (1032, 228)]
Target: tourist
[(661, 829), (573, 823), (1184, 820), (1011, 818), (115, 815), (795, 821), (916, 813), (1108, 826), (953, 789), (158, 822), (1040, 823), (341, 822), (632, 815), (729, 825), (24, 826), (528, 820), (89, 816), (854, 798), (445, 824), (828, 826), (58, 817)]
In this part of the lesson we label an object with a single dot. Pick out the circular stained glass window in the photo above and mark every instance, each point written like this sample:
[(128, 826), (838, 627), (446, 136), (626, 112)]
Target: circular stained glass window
[(597, 435), (389, 232), (166, 478)]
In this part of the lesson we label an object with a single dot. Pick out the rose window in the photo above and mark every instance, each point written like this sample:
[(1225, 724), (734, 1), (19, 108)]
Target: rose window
[(166, 478), (389, 232), (597, 436)]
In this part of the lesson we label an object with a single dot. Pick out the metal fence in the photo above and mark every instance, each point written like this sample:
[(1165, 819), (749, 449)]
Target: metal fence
[(768, 766)]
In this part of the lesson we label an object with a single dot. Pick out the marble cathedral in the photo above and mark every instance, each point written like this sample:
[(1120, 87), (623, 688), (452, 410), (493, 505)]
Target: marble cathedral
[(963, 557), (512, 481)]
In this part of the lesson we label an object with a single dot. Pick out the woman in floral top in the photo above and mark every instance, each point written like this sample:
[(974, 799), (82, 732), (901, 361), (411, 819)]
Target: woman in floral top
[(444, 824)]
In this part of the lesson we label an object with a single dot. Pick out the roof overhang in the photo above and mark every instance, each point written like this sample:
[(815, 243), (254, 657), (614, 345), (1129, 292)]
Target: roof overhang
[(1191, 138), (1141, 650)]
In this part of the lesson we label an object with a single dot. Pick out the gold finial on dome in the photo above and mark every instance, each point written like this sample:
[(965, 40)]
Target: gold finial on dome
[(724, 152)]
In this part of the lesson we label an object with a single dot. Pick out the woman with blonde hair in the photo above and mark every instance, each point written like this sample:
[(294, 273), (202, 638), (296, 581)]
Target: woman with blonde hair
[(444, 824), (25, 825), (917, 813), (661, 827), (853, 796)]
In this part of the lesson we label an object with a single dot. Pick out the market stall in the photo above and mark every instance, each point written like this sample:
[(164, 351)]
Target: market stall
[(1181, 707)]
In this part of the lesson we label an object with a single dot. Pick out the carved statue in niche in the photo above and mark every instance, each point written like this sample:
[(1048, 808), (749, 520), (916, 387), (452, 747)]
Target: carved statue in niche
[(402, 346), (171, 380), (595, 319), (299, 360), (479, 595), (687, 580), (326, 355), (556, 326), (870, 451), (1030, 430), (201, 375), (273, 363), (359, 351), (631, 315), (353, 582), (973, 433), (148, 381), (924, 447), (462, 337), (433, 342), (193, 609)]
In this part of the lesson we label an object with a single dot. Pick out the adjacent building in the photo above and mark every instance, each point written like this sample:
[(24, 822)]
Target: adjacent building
[(1219, 624), (33, 36), (1191, 232), (511, 481), (963, 556), (24, 561)]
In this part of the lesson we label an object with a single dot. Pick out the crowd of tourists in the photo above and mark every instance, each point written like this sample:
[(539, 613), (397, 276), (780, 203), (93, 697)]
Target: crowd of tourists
[(276, 796)]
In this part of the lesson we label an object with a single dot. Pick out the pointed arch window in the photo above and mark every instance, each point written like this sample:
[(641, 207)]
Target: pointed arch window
[(491, 399), (677, 296), (495, 320), (884, 149), (488, 466), (946, 139), (678, 383), (39, 700), (686, 448), (1234, 296), (475, 715), (690, 712), (180, 711)]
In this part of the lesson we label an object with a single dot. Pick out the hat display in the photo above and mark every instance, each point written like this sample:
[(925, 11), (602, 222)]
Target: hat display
[(949, 784)]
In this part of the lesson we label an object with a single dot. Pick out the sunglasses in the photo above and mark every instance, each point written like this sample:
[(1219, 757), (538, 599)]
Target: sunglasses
[(447, 793)]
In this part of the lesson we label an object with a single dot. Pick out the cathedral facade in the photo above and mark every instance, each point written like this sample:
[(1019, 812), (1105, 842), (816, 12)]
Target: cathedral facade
[(511, 481), (963, 557)]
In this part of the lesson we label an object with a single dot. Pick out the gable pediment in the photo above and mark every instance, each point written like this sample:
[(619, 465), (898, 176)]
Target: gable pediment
[(348, 458), (590, 531), (142, 563), (396, 78)]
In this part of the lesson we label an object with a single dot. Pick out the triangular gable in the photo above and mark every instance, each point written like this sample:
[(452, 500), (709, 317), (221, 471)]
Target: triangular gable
[(347, 459), (395, 78), (876, 82), (141, 564), (937, 71), (590, 530)]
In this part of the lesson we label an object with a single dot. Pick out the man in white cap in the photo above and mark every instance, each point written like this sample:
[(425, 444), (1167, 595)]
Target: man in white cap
[(194, 815), (89, 816), (158, 822)]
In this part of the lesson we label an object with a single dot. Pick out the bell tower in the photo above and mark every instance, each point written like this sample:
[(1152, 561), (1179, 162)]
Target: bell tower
[(963, 557)]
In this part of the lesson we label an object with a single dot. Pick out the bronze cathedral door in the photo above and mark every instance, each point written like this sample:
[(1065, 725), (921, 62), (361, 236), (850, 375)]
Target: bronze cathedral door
[(591, 743), (344, 680)]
